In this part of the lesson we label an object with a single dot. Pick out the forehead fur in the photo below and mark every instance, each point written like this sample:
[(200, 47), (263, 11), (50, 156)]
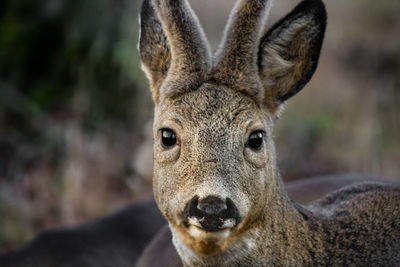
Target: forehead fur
[(210, 105)]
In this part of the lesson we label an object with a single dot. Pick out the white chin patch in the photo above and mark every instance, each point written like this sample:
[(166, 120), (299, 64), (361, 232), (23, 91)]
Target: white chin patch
[(196, 230), (200, 234)]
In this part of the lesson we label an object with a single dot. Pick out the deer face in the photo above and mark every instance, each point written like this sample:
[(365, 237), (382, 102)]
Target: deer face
[(214, 158)]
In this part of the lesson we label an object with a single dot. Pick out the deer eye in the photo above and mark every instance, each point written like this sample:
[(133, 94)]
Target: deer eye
[(255, 141), (168, 138)]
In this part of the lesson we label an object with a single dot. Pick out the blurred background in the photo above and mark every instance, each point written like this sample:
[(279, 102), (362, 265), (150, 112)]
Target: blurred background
[(75, 110)]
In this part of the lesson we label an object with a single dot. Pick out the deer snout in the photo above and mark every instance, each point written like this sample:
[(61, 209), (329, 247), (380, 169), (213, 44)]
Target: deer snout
[(211, 213)]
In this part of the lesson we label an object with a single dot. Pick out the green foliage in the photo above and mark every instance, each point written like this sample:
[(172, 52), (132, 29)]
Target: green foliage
[(52, 51)]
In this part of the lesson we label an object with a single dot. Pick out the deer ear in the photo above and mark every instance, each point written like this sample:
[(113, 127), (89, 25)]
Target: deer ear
[(289, 51), (153, 48)]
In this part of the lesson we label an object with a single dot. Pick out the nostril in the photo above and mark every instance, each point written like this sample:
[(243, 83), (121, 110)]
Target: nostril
[(210, 213), (211, 205)]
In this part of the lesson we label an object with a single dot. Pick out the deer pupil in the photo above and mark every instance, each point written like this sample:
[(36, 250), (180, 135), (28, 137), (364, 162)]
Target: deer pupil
[(168, 138), (255, 140)]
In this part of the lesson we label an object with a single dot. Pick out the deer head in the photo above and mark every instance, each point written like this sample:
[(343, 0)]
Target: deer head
[(215, 173)]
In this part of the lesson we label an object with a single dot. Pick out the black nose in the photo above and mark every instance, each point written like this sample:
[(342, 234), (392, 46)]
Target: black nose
[(211, 205), (211, 213)]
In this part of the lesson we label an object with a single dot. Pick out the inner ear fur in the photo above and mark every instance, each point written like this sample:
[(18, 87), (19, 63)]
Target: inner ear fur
[(289, 51)]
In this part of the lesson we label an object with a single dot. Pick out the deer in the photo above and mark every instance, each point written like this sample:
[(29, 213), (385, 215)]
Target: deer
[(113, 240), (216, 179)]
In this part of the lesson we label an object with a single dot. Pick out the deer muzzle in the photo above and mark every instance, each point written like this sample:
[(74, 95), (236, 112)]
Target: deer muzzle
[(211, 214)]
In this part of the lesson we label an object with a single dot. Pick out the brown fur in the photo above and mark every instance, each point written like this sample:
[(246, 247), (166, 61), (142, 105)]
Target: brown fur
[(213, 107), (161, 251)]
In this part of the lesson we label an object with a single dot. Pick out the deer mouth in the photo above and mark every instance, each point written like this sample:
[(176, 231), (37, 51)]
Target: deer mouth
[(211, 224), (211, 214)]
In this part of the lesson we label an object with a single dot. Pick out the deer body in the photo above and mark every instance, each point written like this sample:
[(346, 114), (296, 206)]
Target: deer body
[(215, 174)]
